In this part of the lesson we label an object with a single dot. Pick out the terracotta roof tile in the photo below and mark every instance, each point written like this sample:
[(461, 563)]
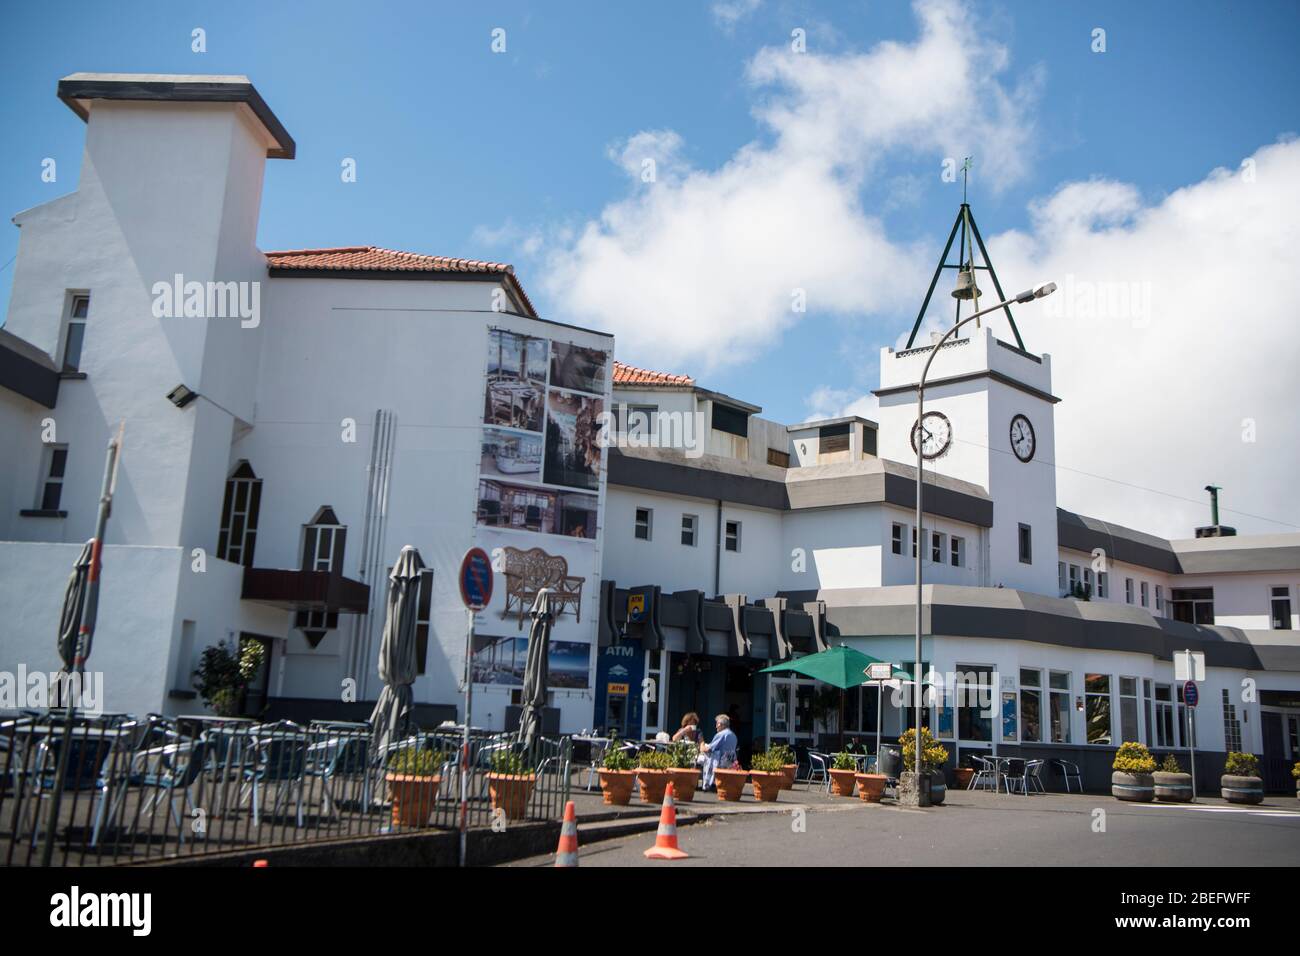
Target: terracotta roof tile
[(377, 259), (631, 375)]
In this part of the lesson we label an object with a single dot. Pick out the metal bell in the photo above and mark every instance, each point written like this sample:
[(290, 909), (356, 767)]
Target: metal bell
[(966, 288)]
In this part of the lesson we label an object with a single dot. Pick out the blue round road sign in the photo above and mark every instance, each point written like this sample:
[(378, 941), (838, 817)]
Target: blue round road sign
[(476, 579), (1191, 696)]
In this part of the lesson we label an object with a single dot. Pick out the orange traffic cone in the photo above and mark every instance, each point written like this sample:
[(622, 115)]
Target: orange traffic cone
[(665, 847), (258, 864), (566, 854)]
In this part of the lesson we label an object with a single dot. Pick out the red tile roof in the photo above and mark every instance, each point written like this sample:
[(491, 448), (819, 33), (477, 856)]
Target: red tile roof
[(377, 259), (631, 375)]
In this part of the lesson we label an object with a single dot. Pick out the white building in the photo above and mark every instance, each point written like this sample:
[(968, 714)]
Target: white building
[(338, 404)]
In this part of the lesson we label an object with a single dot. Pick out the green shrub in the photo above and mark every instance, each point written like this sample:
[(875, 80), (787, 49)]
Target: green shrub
[(1295, 771), (506, 761), (767, 762), (1133, 757), (933, 754), (1241, 765), (415, 761), (683, 754), (844, 761), (655, 760), (616, 758), (1171, 765), (783, 752)]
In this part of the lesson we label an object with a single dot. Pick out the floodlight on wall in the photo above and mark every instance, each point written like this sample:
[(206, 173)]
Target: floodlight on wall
[(180, 396)]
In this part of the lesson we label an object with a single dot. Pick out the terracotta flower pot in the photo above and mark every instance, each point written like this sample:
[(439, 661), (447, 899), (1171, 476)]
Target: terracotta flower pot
[(510, 793), (1242, 789), (1173, 787), (871, 786), (767, 786), (617, 786), (731, 783), (842, 782), (964, 775), (1133, 787), (788, 771), (653, 784), (684, 781), (413, 798)]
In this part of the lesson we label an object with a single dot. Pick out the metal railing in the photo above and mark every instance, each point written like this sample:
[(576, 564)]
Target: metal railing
[(156, 788)]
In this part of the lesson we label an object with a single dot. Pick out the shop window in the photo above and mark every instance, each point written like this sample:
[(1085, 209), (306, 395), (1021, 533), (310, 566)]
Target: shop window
[(1059, 698), (1097, 708), (1031, 705)]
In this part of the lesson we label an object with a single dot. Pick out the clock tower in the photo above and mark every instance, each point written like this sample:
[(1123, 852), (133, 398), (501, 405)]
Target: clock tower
[(989, 421)]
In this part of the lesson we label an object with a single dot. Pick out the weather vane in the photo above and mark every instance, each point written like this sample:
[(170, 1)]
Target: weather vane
[(965, 170)]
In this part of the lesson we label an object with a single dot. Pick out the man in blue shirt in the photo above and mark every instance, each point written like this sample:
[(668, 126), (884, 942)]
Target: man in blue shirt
[(720, 751)]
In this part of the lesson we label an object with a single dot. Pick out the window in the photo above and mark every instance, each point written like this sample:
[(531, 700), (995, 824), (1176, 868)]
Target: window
[(78, 312), (423, 617), (1160, 599), (1149, 739), (654, 671), (1128, 590), (913, 542), (1164, 706), (1026, 545), (640, 422), (1060, 578), (1281, 609), (1103, 583), (239, 512), (896, 541), (1231, 725), (1087, 582), (733, 536), (730, 420), (1146, 595), (1184, 734), (1096, 696), (689, 523), (1128, 709), (974, 693), (56, 465), (323, 543), (937, 547), (1059, 691), (779, 458), (832, 439), (958, 552), (1031, 705), (1074, 579), (642, 528), (1192, 605)]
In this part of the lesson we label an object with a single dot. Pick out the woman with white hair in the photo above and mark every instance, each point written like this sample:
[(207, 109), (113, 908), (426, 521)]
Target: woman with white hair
[(720, 751)]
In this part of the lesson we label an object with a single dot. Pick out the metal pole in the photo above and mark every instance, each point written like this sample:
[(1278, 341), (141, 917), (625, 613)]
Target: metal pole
[(1191, 716), (85, 633), (464, 746)]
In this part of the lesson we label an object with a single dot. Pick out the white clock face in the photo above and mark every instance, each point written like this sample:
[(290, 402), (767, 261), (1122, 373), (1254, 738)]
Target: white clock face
[(1023, 441), (936, 435)]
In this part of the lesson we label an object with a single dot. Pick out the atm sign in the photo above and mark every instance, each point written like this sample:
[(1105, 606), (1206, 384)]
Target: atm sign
[(614, 689)]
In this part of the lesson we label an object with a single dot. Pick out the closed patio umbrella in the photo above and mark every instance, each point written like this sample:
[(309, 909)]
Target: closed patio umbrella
[(74, 602), (533, 695), (398, 666)]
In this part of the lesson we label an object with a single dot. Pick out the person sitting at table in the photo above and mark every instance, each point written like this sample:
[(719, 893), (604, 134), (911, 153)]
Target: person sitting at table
[(720, 751), (690, 729)]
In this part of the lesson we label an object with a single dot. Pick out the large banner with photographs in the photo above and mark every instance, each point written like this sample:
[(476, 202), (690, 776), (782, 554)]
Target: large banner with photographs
[(539, 500)]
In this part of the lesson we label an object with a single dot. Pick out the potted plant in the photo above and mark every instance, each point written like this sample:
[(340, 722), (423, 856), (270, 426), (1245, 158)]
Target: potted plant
[(617, 775), (789, 765), (412, 776), (730, 781), (1295, 772), (684, 771), (510, 783), (1241, 782), (765, 770), (843, 771), (1131, 780), (652, 773), (223, 675), (933, 756), (964, 774), (1171, 784)]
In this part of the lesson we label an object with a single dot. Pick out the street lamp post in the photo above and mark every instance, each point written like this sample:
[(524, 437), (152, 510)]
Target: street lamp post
[(1029, 295)]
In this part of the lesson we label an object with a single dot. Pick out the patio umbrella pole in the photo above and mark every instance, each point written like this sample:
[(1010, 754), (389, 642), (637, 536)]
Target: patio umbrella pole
[(76, 668), (464, 746)]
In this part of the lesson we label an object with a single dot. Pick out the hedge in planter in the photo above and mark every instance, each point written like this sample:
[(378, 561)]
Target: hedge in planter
[(653, 775), (684, 772), (1241, 782), (617, 776), (1295, 772), (765, 770), (510, 783), (789, 766), (1172, 785), (843, 773), (933, 756), (413, 781), (1132, 779)]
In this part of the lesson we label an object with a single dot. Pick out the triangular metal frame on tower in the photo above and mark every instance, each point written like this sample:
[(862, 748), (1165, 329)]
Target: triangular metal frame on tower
[(965, 222)]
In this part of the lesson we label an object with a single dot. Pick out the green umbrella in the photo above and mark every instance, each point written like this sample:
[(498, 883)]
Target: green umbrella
[(840, 666)]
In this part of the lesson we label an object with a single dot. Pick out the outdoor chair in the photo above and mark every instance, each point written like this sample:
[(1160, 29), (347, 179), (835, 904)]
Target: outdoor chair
[(1034, 775), (818, 764), (90, 759), (1013, 775), (160, 770), (279, 759), (1069, 771), (985, 774), (337, 761)]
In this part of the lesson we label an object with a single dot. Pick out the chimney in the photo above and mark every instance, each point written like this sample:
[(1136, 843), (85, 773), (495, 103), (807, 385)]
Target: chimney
[(1214, 529)]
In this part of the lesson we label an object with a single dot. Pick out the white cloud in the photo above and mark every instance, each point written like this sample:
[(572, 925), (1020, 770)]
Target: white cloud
[(727, 13), (703, 266)]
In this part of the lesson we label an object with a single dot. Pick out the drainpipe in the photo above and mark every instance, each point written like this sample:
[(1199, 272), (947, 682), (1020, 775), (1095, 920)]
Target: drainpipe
[(717, 554)]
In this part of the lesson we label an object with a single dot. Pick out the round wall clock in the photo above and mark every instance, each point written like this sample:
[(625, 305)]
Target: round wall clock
[(936, 434), (1023, 441)]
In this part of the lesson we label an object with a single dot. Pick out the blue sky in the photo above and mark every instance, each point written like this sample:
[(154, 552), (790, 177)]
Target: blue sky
[(511, 156)]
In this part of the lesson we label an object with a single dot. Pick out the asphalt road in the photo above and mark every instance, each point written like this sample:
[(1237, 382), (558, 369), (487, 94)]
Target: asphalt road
[(981, 830)]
